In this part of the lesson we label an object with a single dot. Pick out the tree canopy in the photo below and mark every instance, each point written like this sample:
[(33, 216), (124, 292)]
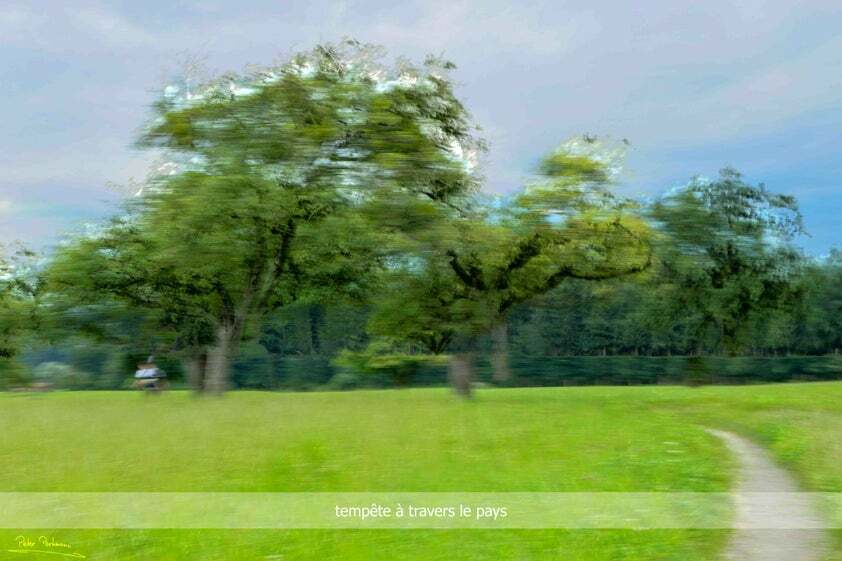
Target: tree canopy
[(727, 253), (277, 176), (330, 206)]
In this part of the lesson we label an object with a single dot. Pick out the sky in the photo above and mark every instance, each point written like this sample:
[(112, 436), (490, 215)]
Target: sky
[(694, 86)]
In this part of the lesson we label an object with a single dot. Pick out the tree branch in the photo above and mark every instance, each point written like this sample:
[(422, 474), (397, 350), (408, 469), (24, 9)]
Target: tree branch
[(471, 277), (527, 249)]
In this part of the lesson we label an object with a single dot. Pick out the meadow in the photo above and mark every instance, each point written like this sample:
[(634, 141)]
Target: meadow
[(535, 440)]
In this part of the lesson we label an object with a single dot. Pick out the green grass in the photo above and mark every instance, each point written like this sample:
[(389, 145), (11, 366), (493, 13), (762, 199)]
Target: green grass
[(555, 439), (800, 424)]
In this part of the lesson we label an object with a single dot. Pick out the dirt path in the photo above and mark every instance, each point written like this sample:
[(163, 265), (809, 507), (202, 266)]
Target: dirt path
[(770, 525)]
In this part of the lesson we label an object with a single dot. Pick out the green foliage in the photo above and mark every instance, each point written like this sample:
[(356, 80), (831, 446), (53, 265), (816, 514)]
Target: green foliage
[(304, 372), (692, 370), (17, 304), (463, 277), (13, 374), (725, 255), (566, 225), (315, 206), (108, 288), (285, 183), (382, 358), (254, 368), (576, 177), (346, 379), (422, 305)]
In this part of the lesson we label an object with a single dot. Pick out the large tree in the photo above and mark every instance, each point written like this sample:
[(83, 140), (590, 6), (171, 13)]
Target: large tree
[(280, 178), (494, 255), (726, 255), (567, 224)]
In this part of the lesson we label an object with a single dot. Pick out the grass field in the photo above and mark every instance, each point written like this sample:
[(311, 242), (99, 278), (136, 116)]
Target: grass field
[(554, 439)]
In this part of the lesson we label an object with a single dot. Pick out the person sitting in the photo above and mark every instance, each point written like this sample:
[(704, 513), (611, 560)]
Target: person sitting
[(148, 376)]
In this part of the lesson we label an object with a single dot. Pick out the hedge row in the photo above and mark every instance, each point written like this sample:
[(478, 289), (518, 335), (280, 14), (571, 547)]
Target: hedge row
[(316, 372), (298, 373), (631, 370)]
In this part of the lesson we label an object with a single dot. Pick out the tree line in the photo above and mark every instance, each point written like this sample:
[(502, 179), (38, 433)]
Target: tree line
[(330, 206)]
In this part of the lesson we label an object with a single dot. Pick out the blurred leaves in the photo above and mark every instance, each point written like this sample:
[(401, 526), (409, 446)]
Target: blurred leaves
[(287, 183), (725, 251)]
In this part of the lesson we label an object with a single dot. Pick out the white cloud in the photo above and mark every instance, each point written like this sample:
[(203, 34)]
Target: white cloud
[(112, 28), (696, 78), (467, 29)]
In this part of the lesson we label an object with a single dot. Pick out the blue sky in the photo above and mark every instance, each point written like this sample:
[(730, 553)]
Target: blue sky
[(694, 86)]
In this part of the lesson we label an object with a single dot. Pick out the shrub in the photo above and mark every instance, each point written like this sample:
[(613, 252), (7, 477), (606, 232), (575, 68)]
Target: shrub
[(345, 380), (62, 376), (379, 359), (13, 374)]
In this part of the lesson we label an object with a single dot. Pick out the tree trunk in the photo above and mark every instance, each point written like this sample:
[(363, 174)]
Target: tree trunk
[(195, 367), (501, 372), (314, 317), (460, 373), (218, 358)]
